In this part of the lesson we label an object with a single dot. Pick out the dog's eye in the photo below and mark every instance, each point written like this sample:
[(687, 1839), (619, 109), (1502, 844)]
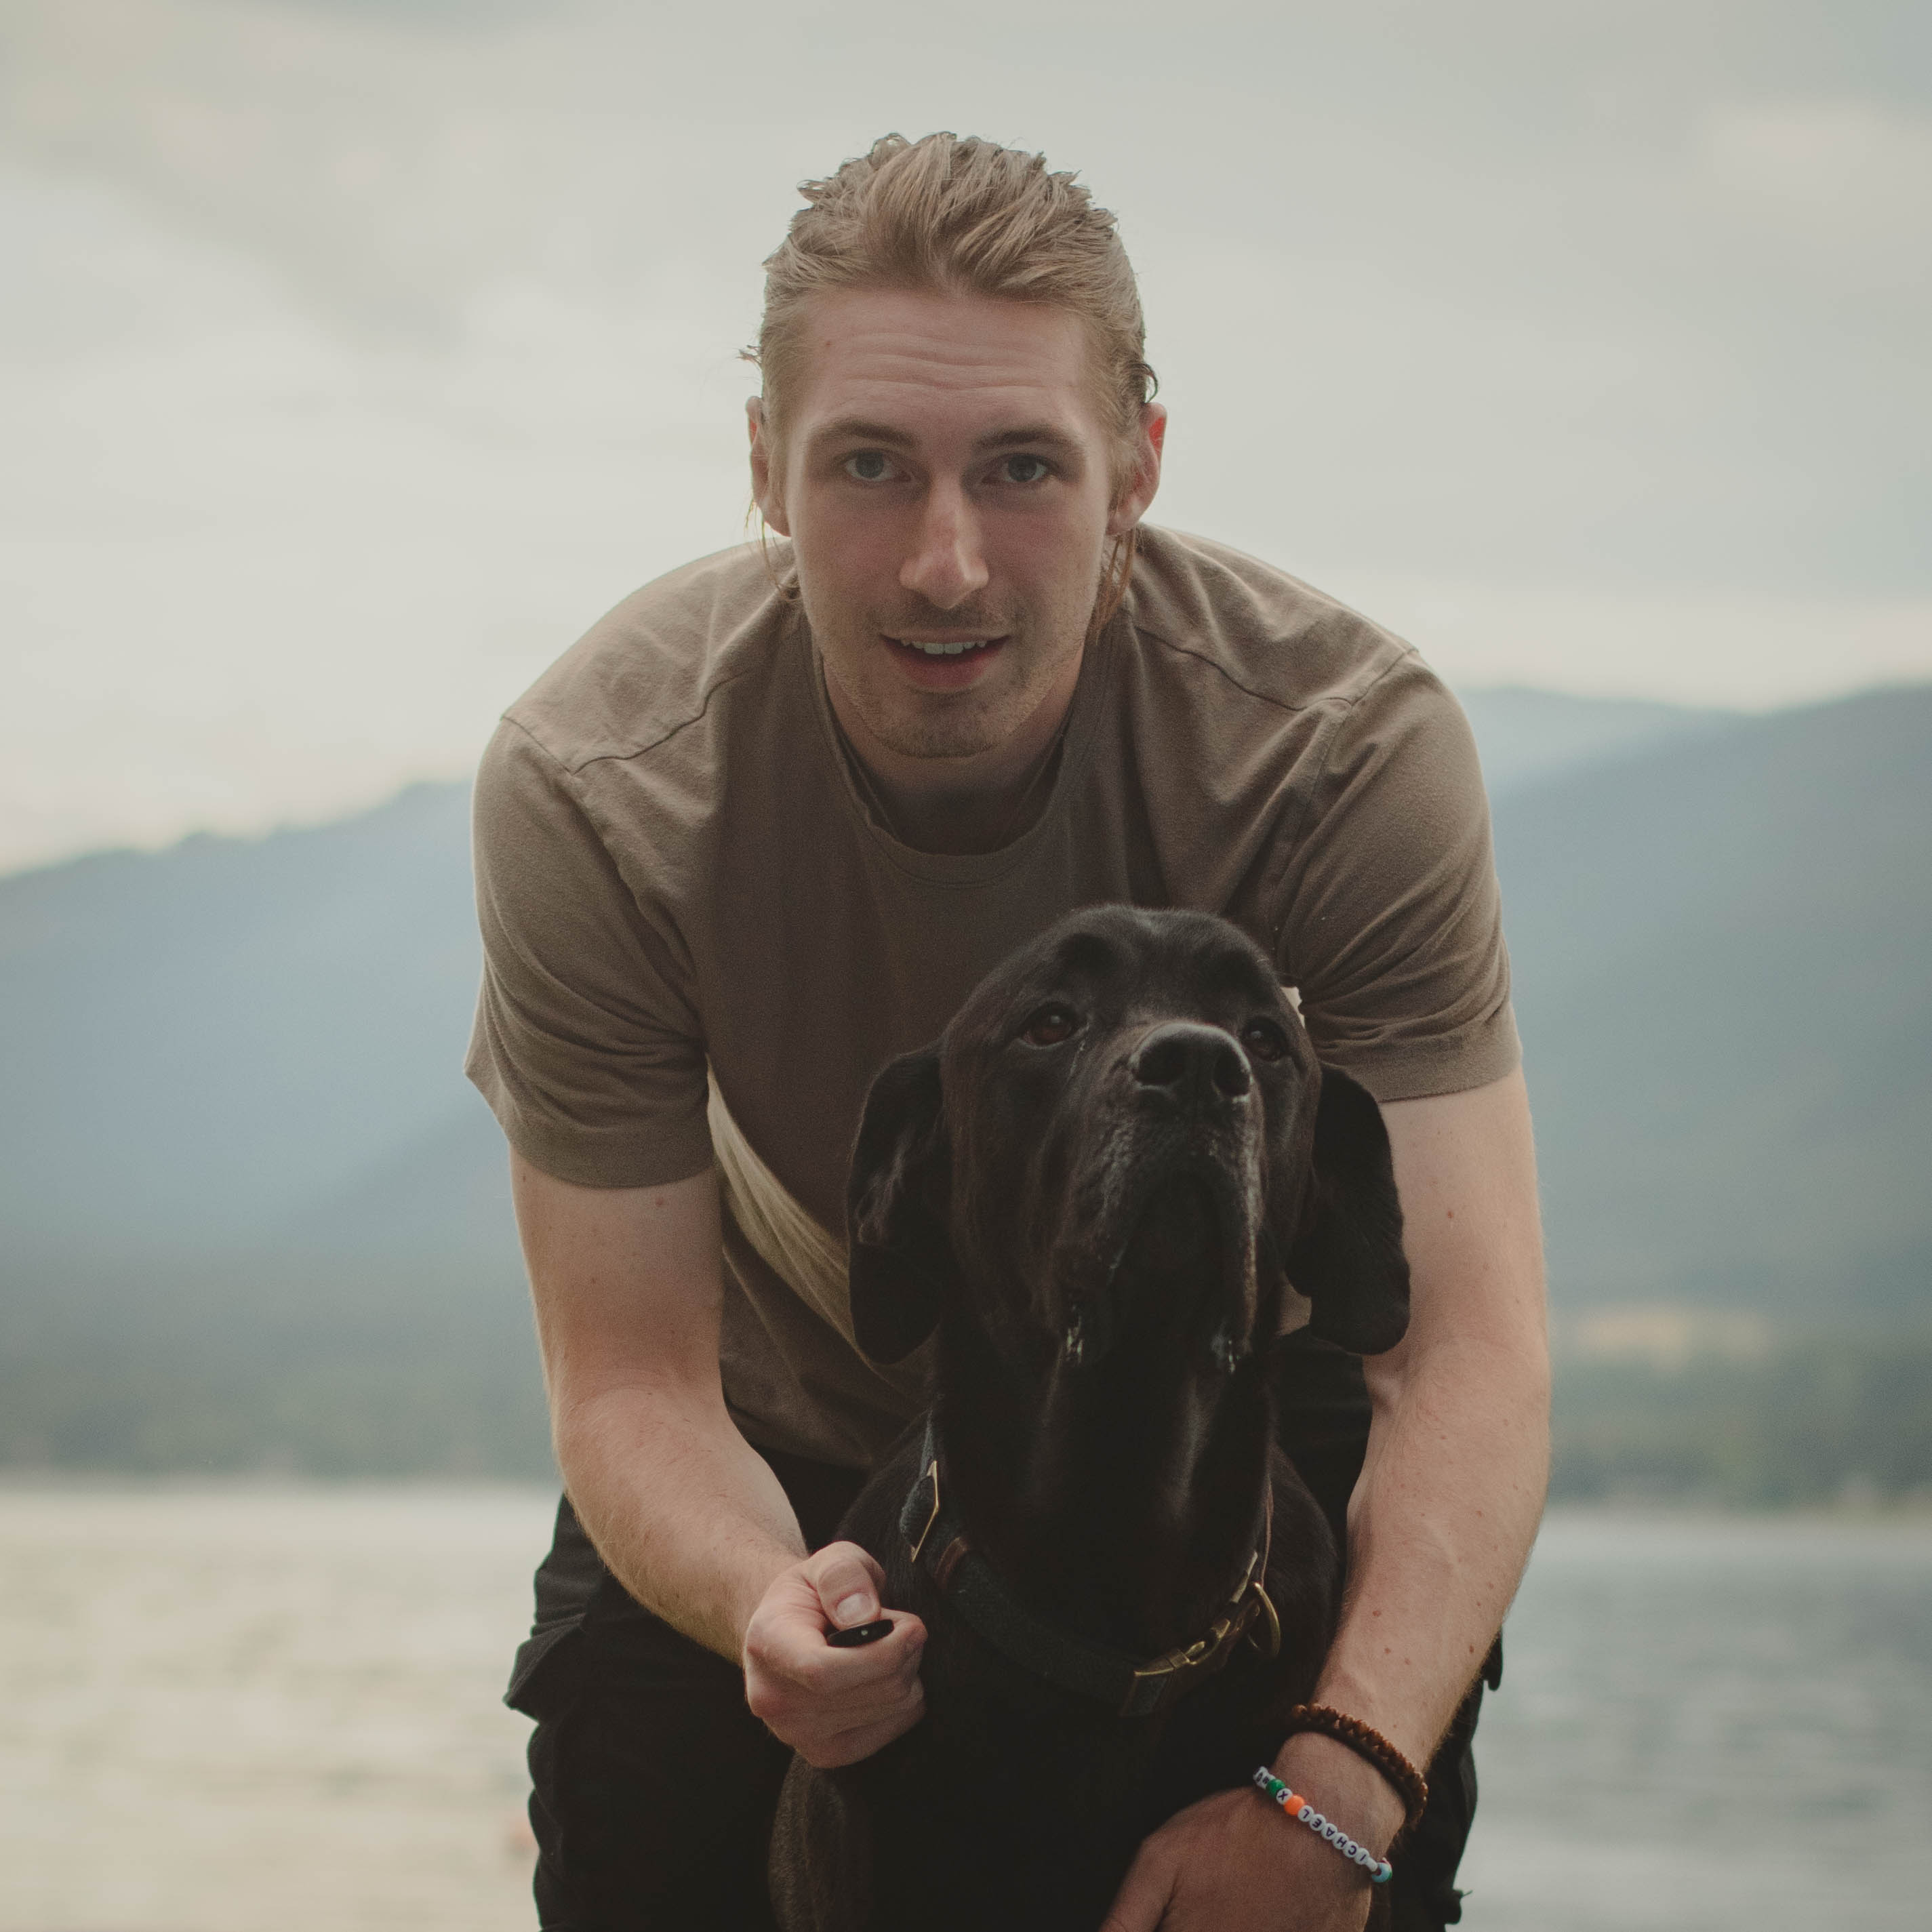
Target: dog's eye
[(1263, 1040), (1051, 1025)]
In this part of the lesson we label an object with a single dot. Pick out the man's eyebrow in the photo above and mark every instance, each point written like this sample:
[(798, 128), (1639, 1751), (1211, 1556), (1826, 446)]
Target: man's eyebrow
[(1035, 435), (859, 429), (863, 429)]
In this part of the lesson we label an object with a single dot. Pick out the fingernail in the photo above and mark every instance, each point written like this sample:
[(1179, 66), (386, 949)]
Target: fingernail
[(855, 1609)]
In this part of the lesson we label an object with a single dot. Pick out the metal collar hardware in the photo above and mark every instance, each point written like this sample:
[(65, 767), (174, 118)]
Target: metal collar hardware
[(938, 1540)]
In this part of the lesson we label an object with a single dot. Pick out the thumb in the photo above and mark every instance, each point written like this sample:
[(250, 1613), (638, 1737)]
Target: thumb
[(848, 1580), (1143, 1898)]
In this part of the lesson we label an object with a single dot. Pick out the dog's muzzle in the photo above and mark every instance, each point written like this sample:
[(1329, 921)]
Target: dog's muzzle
[(1199, 1233)]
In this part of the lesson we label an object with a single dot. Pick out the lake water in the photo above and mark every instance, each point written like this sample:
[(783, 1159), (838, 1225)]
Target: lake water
[(223, 1710)]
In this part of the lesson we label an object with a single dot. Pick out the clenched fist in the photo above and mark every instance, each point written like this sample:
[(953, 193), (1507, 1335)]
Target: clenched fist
[(832, 1706)]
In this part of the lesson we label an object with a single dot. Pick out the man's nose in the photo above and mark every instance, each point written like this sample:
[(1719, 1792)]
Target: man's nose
[(946, 567)]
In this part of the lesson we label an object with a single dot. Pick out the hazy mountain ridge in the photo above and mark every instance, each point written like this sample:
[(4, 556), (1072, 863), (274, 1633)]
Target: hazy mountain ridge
[(1525, 736), (238, 1151), (202, 1040), (1724, 983), (236, 1040)]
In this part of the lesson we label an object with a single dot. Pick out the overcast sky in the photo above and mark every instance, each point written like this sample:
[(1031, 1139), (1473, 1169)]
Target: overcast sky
[(358, 353)]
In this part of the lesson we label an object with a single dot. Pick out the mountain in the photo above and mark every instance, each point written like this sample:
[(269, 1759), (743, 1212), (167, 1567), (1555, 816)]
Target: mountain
[(199, 1042), (237, 1152), (1525, 736), (1723, 951), (252, 1211), (239, 1041)]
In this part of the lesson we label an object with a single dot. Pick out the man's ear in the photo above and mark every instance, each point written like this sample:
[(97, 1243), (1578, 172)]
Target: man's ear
[(1135, 493), (895, 1209), (1346, 1255), (767, 494)]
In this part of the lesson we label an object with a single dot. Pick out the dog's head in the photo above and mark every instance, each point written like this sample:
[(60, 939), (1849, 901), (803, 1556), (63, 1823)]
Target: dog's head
[(1124, 1128)]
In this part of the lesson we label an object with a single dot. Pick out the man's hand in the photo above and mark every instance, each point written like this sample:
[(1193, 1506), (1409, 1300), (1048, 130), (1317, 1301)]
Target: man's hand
[(1226, 1865), (1236, 1863), (832, 1706)]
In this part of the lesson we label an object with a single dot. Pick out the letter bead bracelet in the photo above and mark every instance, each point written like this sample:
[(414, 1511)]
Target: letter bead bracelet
[(1272, 1788)]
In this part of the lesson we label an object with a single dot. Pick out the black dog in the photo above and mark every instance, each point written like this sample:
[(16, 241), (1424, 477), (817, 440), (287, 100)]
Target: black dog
[(1099, 1186)]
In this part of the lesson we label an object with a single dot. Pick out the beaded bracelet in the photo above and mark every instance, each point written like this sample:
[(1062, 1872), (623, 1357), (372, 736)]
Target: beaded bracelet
[(1271, 1787), (1372, 1747)]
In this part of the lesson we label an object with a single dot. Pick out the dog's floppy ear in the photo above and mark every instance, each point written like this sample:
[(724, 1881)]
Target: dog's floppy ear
[(895, 1209), (1346, 1255)]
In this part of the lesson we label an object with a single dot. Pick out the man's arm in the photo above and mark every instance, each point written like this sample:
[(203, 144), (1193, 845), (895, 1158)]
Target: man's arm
[(628, 1288), (1439, 1528)]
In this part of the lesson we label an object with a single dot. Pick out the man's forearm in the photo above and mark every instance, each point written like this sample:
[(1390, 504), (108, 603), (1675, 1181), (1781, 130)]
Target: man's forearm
[(1439, 1530), (688, 1516), (627, 1287), (628, 1290), (1445, 1511)]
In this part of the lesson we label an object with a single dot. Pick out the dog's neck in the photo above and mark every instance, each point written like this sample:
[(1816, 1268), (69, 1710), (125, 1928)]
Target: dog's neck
[(1120, 1499)]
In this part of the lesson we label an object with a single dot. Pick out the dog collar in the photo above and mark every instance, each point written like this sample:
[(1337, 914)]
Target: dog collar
[(1135, 1687)]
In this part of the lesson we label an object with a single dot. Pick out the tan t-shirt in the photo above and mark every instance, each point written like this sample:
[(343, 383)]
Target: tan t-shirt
[(675, 866)]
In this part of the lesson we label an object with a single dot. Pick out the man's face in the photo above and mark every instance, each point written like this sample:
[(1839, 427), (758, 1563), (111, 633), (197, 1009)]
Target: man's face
[(950, 490)]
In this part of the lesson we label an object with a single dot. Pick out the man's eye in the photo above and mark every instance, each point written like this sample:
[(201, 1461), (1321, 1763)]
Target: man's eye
[(1263, 1040), (1025, 470), (869, 465), (1051, 1025)]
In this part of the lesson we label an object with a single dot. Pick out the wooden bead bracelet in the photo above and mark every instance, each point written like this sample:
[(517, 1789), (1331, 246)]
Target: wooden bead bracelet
[(1372, 1747)]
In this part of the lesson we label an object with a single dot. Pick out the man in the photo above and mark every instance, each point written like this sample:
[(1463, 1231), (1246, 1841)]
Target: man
[(762, 829)]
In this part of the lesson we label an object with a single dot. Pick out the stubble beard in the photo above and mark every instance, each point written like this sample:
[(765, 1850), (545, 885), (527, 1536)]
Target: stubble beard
[(915, 724), (960, 734), (960, 724)]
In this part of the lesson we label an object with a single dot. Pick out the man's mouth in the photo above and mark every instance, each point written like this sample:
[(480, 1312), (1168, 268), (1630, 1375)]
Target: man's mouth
[(943, 664), (944, 647)]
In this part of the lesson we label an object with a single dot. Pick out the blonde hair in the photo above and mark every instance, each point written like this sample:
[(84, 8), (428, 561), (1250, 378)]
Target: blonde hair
[(950, 216)]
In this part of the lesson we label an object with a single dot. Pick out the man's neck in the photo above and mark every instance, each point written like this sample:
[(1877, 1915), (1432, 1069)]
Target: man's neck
[(969, 805)]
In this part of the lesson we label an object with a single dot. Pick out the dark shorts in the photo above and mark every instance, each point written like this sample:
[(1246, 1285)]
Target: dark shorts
[(654, 1786)]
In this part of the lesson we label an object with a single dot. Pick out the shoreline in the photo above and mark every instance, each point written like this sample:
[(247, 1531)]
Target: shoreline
[(30, 1480)]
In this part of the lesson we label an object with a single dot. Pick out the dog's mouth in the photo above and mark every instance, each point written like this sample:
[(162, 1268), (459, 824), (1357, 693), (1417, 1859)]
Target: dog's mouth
[(1181, 1278), (1179, 1232)]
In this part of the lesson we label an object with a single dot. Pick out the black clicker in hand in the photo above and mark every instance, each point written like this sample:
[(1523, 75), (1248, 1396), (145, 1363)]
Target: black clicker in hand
[(860, 1634)]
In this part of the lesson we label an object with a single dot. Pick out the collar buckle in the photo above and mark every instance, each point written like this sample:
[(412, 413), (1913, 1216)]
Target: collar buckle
[(931, 1475), (1168, 1675), (1137, 1689)]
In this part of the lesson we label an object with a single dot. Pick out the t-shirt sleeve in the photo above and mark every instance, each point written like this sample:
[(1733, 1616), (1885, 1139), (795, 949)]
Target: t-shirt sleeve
[(587, 1044), (1393, 931)]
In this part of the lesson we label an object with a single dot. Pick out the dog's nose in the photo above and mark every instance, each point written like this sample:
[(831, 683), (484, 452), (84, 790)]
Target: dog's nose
[(1194, 1065)]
